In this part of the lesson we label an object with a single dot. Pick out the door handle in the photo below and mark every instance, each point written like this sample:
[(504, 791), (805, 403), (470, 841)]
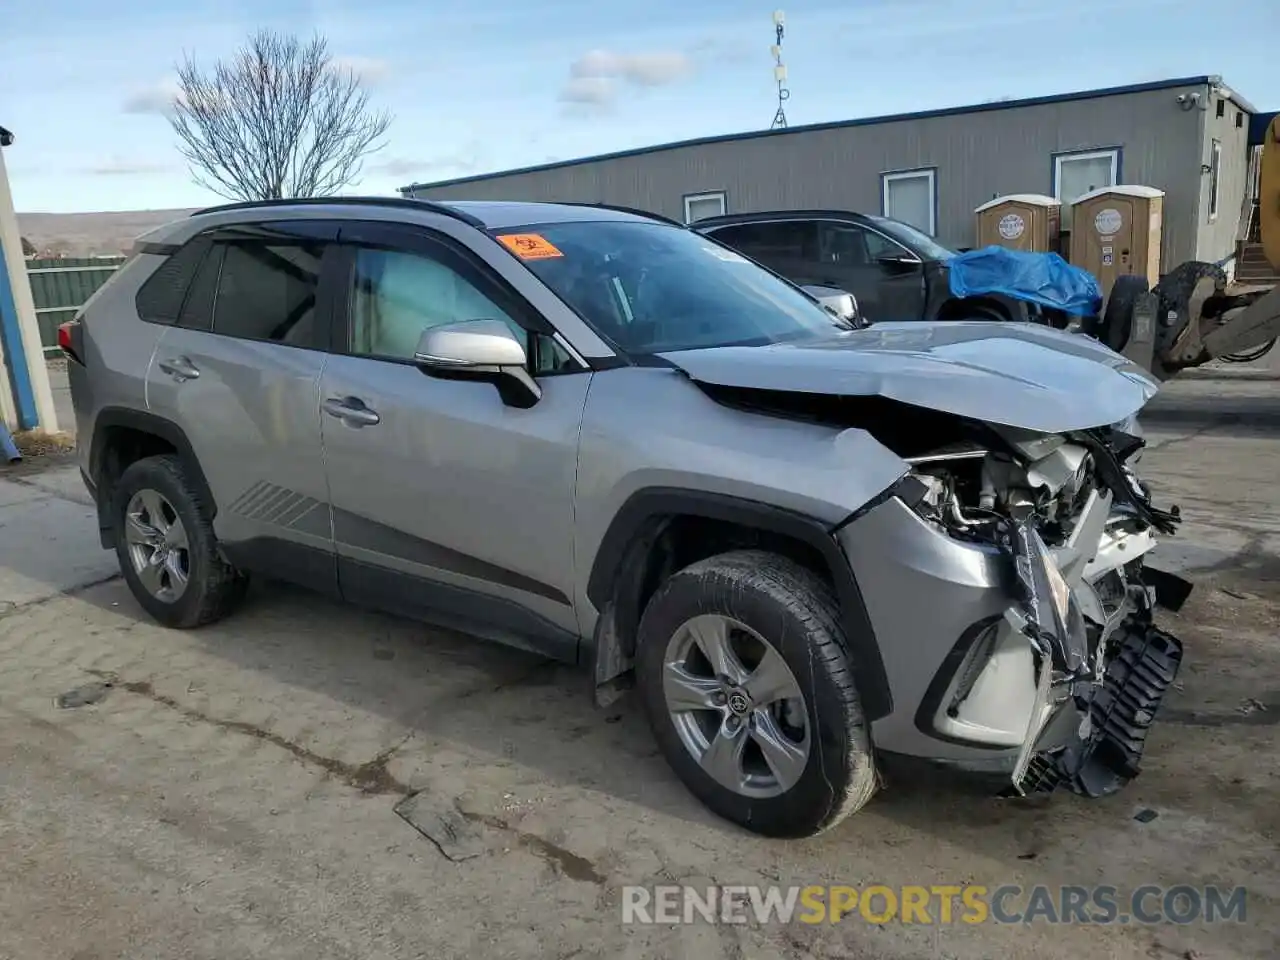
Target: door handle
[(180, 368), (351, 411)]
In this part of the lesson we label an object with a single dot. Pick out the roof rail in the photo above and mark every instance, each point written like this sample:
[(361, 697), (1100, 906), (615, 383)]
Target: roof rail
[(649, 214), (406, 202)]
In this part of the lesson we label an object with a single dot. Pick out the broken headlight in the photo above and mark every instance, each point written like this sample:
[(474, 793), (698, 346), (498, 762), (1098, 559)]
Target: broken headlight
[(1049, 614)]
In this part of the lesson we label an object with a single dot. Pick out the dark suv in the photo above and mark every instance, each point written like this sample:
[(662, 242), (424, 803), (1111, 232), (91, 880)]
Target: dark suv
[(895, 271)]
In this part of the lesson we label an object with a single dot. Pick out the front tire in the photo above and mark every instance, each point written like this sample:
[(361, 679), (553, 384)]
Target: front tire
[(742, 669), (166, 547)]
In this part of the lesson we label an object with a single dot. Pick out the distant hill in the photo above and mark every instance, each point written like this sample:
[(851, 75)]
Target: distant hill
[(90, 234)]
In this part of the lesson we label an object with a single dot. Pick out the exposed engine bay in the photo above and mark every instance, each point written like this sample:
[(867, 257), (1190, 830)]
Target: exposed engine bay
[(1075, 523)]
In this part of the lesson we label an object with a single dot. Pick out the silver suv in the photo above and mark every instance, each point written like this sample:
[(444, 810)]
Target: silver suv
[(606, 438)]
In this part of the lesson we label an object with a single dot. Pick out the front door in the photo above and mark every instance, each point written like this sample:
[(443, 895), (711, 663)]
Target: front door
[(886, 279), (240, 374), (448, 504)]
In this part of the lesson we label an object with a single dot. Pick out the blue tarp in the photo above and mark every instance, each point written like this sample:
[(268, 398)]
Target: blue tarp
[(8, 449), (1043, 278)]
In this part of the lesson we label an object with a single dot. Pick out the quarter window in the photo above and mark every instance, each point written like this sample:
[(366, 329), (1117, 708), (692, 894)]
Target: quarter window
[(160, 297), (267, 291)]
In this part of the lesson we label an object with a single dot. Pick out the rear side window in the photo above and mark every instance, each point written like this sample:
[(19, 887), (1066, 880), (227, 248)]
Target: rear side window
[(784, 239), (160, 297), (267, 291)]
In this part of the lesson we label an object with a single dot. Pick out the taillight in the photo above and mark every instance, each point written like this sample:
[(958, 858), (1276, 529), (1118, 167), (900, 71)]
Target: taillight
[(69, 335)]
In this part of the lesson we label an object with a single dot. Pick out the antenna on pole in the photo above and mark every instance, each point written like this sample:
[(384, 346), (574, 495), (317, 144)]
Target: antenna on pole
[(779, 70)]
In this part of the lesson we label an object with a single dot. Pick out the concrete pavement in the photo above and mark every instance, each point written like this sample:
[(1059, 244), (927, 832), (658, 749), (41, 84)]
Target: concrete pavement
[(232, 791)]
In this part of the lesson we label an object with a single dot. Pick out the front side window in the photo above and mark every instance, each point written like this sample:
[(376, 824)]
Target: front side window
[(845, 244), (267, 291), (915, 240), (396, 296), (651, 288)]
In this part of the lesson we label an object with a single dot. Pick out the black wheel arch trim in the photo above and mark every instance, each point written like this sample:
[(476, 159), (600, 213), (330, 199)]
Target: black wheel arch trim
[(110, 418), (626, 533)]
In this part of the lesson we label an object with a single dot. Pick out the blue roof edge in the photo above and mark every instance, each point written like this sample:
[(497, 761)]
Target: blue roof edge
[(1203, 80)]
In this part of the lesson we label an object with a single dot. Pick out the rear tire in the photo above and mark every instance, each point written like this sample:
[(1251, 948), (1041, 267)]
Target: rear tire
[(166, 546), (781, 624), (1117, 318)]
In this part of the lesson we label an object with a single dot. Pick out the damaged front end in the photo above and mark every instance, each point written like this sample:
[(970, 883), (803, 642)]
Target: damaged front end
[(1073, 670)]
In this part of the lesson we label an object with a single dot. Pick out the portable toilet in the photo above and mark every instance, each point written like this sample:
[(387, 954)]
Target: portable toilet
[(1020, 221), (1117, 231)]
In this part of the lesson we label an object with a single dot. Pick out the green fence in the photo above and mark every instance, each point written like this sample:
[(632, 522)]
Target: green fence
[(60, 287)]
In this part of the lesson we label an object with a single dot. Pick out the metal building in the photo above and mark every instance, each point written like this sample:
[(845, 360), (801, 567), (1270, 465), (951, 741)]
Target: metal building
[(1188, 137)]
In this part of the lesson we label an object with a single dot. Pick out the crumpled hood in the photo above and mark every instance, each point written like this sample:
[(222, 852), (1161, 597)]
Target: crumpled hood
[(1018, 375)]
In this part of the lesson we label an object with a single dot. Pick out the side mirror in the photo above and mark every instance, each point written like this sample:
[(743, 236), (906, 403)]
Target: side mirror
[(479, 350), (839, 302)]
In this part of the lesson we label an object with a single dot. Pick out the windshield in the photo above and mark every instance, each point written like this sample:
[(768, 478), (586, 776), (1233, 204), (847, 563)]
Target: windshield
[(651, 288), (918, 240)]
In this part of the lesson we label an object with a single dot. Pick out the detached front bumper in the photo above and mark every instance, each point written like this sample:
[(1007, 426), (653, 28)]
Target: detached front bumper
[(973, 687)]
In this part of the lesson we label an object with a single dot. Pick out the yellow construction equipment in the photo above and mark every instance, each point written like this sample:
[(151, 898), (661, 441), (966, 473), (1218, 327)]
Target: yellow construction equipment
[(1192, 316)]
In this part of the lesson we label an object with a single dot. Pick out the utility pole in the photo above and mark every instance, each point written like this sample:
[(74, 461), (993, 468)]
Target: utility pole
[(25, 398), (779, 70)]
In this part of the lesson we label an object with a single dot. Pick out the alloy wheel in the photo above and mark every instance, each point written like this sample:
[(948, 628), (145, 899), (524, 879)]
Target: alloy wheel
[(736, 706), (158, 547)]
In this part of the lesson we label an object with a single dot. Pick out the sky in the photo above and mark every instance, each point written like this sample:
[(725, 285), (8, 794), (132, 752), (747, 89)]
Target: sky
[(483, 85)]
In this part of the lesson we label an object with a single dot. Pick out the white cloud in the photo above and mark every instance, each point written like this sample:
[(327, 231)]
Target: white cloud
[(458, 164), (596, 78), (116, 167), (368, 69), (642, 69), (158, 98), (649, 69), (589, 91)]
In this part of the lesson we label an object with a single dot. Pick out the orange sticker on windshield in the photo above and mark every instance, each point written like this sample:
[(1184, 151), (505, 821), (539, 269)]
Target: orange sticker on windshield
[(530, 246)]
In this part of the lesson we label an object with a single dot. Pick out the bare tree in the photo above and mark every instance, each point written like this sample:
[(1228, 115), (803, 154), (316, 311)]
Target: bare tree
[(28, 248), (280, 119)]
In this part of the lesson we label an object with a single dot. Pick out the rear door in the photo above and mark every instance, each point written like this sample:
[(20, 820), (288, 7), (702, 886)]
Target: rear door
[(787, 247), (240, 374)]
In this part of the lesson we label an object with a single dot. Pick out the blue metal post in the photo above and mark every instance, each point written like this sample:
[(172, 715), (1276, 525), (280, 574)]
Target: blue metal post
[(15, 354)]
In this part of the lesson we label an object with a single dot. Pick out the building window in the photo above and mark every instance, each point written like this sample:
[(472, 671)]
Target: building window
[(699, 206), (912, 197), (1075, 174), (1215, 164)]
